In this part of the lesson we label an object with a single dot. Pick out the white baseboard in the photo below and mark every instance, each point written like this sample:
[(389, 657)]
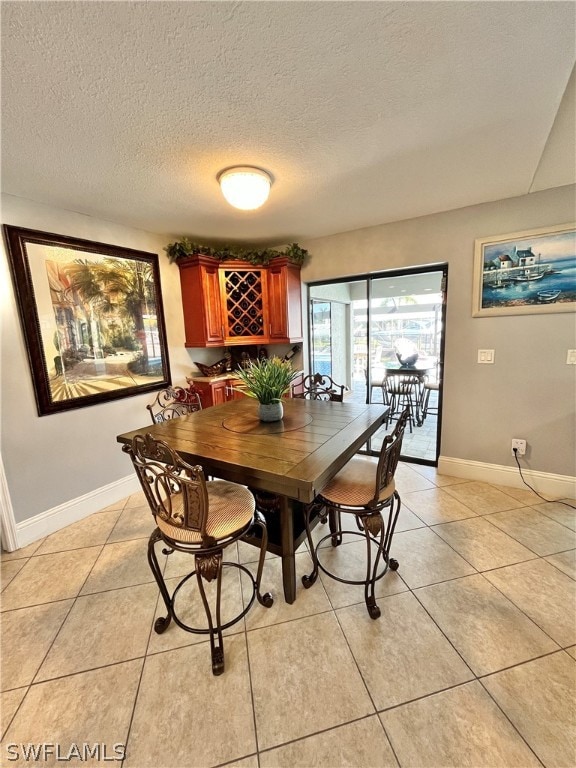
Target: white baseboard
[(8, 526), (28, 531), (76, 509), (546, 483)]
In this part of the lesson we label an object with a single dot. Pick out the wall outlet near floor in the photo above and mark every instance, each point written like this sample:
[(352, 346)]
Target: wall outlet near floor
[(571, 357), (520, 446)]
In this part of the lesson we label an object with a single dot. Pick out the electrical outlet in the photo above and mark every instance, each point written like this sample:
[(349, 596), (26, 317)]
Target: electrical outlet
[(520, 446)]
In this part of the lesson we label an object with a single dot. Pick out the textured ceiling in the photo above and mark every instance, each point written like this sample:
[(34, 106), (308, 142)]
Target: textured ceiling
[(363, 112)]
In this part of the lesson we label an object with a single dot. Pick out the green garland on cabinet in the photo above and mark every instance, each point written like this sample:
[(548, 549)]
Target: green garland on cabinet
[(184, 247)]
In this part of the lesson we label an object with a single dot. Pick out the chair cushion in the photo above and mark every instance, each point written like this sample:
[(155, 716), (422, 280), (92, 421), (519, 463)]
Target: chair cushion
[(231, 507), (354, 485)]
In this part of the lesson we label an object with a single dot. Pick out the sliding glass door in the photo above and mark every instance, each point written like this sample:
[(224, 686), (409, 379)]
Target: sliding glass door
[(358, 326), (329, 332)]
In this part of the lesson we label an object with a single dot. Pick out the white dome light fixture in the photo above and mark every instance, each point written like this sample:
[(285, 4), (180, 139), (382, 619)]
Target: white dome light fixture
[(245, 187)]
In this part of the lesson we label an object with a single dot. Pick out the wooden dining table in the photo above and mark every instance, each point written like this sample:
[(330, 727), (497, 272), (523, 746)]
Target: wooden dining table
[(292, 459)]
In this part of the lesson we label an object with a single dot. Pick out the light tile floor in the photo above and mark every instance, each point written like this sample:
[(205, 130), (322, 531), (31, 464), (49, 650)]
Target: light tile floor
[(472, 662)]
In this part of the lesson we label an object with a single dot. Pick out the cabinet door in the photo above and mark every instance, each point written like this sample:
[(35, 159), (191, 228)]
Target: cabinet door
[(212, 305), (285, 303), (231, 392), (205, 391), (214, 392), (277, 304), (244, 298), (201, 302), (219, 392)]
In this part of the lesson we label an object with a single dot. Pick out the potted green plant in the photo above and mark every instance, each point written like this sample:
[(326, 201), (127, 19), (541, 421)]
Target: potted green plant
[(267, 380)]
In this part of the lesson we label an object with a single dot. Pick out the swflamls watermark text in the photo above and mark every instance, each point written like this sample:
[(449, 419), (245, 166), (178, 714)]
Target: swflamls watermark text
[(64, 753)]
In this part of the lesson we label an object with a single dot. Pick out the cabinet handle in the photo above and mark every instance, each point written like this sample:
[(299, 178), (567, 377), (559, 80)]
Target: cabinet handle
[(222, 330)]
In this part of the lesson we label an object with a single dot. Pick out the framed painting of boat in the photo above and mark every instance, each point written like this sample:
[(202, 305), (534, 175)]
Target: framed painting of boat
[(525, 273)]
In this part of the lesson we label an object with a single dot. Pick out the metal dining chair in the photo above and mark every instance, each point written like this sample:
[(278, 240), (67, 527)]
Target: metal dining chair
[(172, 402), (318, 386), (201, 518), (364, 491)]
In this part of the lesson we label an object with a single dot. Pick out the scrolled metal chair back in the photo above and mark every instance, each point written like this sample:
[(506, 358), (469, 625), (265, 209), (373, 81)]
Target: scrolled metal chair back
[(176, 491), (390, 454), (317, 386), (401, 383), (173, 402)]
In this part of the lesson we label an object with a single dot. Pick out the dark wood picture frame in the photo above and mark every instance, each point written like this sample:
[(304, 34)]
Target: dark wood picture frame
[(92, 319)]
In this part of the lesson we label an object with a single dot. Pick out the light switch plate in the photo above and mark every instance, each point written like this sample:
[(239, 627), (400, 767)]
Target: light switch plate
[(485, 355), (571, 357)]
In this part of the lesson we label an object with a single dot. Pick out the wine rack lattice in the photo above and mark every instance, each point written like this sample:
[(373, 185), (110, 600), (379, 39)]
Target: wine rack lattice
[(244, 303)]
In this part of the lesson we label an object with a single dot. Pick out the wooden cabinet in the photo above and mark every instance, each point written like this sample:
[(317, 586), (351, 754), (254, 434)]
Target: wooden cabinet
[(223, 389), (244, 302), (217, 391), (235, 302), (232, 392), (200, 283), (211, 392), (285, 302)]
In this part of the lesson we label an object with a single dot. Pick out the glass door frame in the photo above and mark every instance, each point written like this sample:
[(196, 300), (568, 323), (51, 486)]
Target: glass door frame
[(312, 345), (368, 278)]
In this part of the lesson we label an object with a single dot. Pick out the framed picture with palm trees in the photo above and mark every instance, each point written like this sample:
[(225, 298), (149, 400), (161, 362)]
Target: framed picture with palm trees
[(92, 319)]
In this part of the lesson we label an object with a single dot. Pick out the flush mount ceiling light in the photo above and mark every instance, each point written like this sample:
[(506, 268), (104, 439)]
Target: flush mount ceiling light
[(245, 187)]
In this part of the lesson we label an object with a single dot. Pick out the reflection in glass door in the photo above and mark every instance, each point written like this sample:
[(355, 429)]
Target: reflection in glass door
[(405, 322), (321, 333), (356, 329), (331, 332)]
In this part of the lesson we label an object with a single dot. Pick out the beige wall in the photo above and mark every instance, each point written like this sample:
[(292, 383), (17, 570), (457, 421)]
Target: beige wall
[(529, 392), (53, 459)]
